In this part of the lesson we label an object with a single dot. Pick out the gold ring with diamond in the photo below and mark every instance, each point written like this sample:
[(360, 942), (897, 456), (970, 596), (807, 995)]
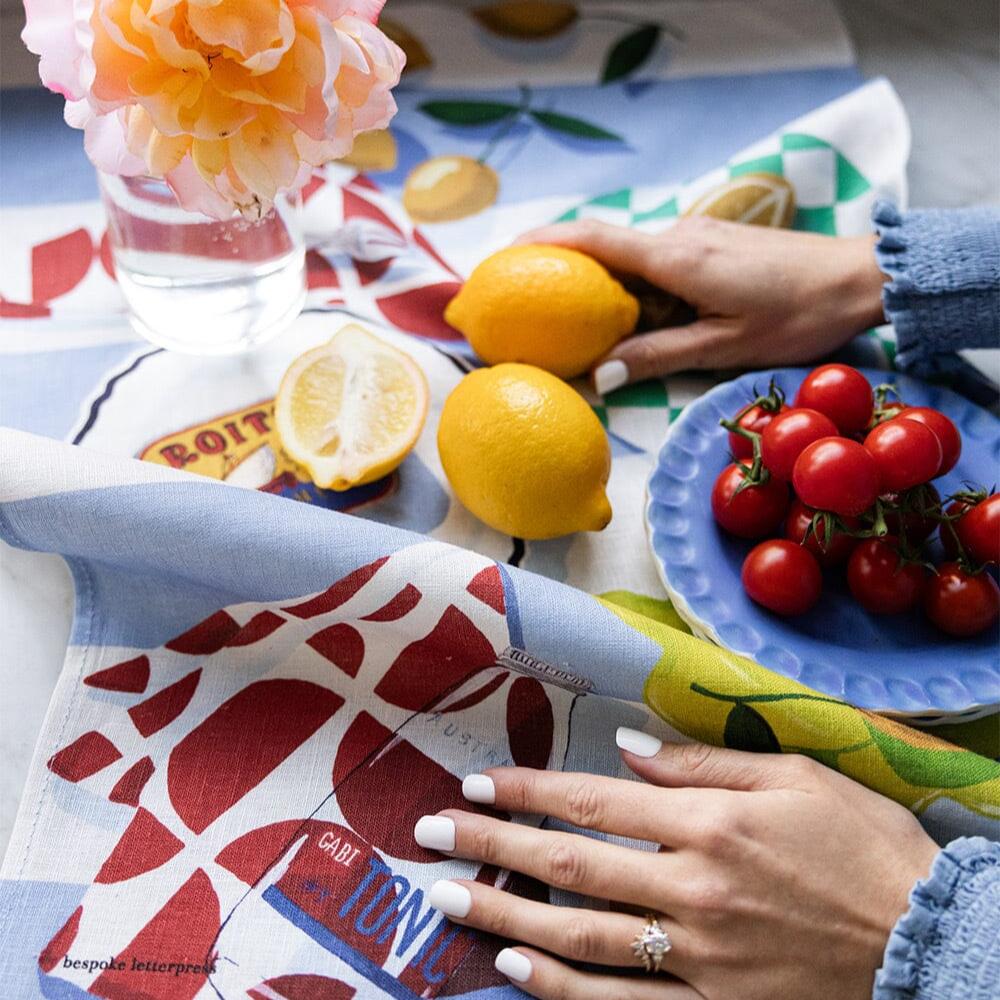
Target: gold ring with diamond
[(651, 944)]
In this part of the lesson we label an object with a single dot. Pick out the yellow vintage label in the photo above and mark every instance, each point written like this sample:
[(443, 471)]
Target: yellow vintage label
[(217, 447)]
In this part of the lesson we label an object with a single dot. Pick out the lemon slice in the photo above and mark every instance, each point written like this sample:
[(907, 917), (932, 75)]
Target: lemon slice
[(350, 411)]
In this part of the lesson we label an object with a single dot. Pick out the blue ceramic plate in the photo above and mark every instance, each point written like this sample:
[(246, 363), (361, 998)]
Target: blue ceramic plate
[(900, 664)]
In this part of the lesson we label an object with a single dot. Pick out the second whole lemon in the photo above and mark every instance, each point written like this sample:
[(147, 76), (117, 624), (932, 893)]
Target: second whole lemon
[(525, 453), (543, 305)]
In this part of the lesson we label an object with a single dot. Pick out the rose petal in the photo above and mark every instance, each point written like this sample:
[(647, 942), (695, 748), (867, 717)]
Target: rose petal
[(160, 152), (249, 27), (51, 32), (264, 157), (104, 140), (194, 194)]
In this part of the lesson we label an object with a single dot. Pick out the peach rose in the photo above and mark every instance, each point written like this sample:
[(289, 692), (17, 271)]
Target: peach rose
[(230, 101)]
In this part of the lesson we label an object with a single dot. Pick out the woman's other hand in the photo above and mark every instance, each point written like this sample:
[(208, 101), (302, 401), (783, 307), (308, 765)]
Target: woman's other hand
[(762, 296), (775, 877)]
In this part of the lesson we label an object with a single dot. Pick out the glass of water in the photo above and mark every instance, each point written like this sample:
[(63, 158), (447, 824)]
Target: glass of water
[(198, 285)]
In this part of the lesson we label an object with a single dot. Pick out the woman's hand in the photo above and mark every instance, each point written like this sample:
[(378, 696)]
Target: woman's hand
[(776, 877), (763, 296)]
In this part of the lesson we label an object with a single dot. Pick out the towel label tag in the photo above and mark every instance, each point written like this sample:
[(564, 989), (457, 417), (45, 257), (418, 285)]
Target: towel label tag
[(524, 663)]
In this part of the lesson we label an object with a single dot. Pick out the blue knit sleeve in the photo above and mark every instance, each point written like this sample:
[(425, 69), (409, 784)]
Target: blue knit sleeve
[(944, 292), (947, 945)]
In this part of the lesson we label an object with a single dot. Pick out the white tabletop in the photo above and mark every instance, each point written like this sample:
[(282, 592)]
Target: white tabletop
[(942, 58)]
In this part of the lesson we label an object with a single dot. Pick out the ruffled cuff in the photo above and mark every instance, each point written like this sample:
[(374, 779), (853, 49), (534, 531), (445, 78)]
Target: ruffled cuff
[(947, 945), (944, 292)]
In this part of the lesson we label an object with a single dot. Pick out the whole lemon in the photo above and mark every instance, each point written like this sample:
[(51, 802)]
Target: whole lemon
[(525, 453), (543, 305)]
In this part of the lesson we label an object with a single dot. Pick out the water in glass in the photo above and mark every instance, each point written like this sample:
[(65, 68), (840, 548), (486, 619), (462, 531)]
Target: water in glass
[(200, 285)]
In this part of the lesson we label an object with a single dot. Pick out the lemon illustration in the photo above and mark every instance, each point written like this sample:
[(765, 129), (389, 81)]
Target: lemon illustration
[(526, 19), (417, 56), (754, 199), (373, 151), (525, 453), (446, 188), (350, 411), (543, 305)]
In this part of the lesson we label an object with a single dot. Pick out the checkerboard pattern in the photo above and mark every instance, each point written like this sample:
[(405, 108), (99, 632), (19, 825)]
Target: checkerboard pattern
[(832, 195)]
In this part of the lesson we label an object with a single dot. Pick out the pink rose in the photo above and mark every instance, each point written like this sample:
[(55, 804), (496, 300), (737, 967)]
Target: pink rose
[(230, 101)]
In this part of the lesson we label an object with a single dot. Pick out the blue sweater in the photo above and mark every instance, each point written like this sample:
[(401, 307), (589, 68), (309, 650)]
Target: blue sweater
[(944, 294)]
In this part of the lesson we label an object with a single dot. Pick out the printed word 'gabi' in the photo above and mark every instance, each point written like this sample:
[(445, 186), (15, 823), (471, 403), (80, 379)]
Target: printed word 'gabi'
[(349, 900)]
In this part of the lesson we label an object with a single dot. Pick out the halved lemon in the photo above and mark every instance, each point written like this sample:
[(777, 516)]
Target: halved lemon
[(350, 411)]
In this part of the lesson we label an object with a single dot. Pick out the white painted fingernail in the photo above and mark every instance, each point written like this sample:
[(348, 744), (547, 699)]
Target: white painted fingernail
[(610, 376), (436, 833), (450, 898), (513, 965), (479, 788), (641, 744)]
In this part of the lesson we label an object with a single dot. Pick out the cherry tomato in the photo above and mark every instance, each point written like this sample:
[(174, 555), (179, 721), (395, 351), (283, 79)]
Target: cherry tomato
[(755, 419), (838, 475), (797, 529), (962, 603), (944, 430), (879, 583), (754, 511), (782, 576), (788, 434), (915, 523), (979, 530), (907, 453), (840, 392)]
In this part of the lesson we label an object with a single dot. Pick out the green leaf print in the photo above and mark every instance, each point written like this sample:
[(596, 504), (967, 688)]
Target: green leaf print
[(468, 112), (573, 126), (630, 52), (930, 768), (747, 729)]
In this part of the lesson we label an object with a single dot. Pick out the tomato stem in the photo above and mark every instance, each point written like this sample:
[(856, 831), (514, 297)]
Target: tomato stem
[(772, 403), (755, 474), (831, 523), (882, 411), (968, 498)]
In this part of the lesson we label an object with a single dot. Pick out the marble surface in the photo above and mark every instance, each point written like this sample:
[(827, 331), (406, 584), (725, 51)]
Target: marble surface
[(943, 59)]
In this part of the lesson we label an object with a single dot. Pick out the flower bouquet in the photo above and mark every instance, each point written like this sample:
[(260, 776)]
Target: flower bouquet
[(204, 119)]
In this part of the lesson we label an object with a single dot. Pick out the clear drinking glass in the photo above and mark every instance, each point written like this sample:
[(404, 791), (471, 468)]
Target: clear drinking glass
[(198, 285)]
